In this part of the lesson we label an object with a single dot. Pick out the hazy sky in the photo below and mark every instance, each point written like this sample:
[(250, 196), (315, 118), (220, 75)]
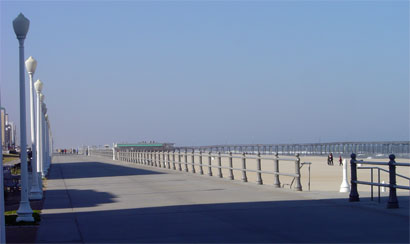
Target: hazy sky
[(210, 72)]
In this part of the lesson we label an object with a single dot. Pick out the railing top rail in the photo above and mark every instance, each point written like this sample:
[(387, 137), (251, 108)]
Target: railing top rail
[(381, 184), (385, 170), (381, 163), (371, 163), (402, 164), (298, 144)]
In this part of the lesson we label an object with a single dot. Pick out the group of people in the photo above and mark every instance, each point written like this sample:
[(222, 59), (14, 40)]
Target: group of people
[(65, 151), (330, 159)]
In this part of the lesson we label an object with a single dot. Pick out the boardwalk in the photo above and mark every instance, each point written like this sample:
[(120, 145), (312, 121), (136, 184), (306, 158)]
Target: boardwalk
[(98, 200)]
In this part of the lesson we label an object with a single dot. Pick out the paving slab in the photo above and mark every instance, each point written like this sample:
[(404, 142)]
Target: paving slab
[(98, 200)]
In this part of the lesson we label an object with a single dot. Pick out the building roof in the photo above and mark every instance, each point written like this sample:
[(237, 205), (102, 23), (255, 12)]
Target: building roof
[(141, 145)]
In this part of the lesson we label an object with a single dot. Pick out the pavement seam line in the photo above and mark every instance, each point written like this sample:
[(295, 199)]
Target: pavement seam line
[(71, 205)]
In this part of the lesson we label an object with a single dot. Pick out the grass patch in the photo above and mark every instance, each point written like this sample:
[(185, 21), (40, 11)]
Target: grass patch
[(16, 171), (11, 216), (10, 157)]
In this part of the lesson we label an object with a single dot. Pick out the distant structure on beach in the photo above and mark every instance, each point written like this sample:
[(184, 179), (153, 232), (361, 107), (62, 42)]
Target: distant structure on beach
[(152, 145)]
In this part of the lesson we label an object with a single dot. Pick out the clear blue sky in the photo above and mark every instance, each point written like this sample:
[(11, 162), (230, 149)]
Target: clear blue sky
[(200, 73)]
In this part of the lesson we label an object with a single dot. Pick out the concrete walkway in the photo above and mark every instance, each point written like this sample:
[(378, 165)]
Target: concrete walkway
[(94, 200)]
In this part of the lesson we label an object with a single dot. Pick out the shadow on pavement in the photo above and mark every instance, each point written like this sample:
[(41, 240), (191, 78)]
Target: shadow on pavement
[(74, 170), (307, 221), (71, 198)]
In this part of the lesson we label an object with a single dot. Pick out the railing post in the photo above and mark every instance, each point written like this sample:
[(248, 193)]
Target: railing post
[(161, 155), (173, 160), (298, 185), (209, 164), (276, 181), (155, 159), (148, 158), (159, 158), (244, 178), (186, 160), (179, 160), (193, 161), (164, 159), (230, 165), (219, 164), (259, 168), (392, 203), (354, 195)]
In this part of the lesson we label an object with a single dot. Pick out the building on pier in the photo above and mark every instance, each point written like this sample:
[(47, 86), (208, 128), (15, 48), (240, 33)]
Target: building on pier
[(144, 146)]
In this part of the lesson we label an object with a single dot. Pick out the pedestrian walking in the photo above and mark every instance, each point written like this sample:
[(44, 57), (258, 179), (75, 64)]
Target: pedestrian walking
[(340, 160), (331, 158)]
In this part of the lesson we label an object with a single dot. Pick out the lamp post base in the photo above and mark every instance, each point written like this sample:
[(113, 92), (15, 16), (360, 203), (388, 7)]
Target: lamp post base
[(344, 187), (35, 194), (24, 213)]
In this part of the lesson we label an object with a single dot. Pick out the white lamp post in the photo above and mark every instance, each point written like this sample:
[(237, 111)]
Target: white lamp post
[(35, 191), (2, 219), (344, 187), (45, 146), (39, 86), (48, 142), (44, 140), (24, 213), (47, 161)]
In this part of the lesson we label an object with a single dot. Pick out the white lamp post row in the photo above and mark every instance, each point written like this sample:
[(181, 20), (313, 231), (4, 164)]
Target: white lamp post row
[(43, 157), (40, 134)]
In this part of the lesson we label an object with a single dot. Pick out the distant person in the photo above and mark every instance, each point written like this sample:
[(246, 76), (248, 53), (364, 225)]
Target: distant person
[(340, 160), (331, 158)]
